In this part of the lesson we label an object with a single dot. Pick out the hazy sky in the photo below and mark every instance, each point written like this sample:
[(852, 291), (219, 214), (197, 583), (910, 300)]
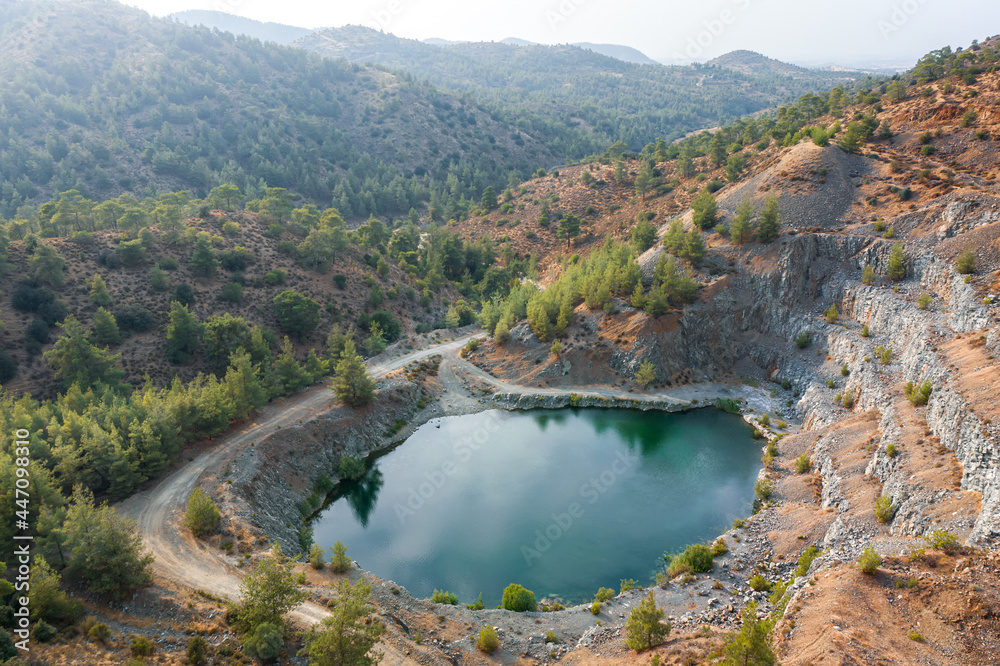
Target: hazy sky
[(806, 31)]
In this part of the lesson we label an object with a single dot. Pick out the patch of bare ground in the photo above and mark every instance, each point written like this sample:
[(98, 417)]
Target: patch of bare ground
[(937, 609)]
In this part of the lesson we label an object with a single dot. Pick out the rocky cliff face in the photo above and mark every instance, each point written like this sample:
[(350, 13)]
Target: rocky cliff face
[(755, 316)]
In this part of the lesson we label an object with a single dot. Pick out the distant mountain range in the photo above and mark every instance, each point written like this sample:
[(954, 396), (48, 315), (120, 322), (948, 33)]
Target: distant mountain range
[(238, 25)]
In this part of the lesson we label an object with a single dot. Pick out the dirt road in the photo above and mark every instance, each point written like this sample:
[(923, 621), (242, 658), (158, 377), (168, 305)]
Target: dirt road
[(158, 511)]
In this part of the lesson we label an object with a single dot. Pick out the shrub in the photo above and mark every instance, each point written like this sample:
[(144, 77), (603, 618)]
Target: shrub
[(340, 562), (487, 641), (865, 331), (550, 637), (966, 261), (696, 558), (604, 594), (918, 395), (844, 370), (728, 405), (879, 225), (134, 317), (891, 450), (803, 339), (317, 558), (142, 647), (595, 608), (197, 649), (806, 560), (476, 605), (183, 294), (442, 597), (803, 463), (942, 540), (897, 263), (232, 292), (202, 515), (275, 277), (763, 489), (351, 468), (719, 548), (517, 598), (924, 301), (758, 583), (916, 635), (884, 354), (831, 314), (99, 632), (869, 562), (43, 632), (265, 642), (645, 628), (884, 509)]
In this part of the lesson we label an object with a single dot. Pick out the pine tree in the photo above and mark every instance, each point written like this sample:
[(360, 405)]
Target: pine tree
[(741, 229), (868, 274), (289, 375), (76, 361), (316, 367), (685, 163), (348, 636), (268, 593), (770, 221), (352, 384), (646, 374), (705, 210), (183, 333), (897, 263), (105, 329), (98, 290), (48, 265), (750, 646), (694, 247), (674, 239), (645, 181), (203, 260), (645, 628), (245, 391)]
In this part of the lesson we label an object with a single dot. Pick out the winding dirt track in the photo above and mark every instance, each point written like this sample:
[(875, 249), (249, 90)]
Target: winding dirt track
[(157, 511), (187, 562)]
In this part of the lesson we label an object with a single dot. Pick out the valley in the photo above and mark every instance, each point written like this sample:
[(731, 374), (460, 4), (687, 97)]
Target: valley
[(242, 276)]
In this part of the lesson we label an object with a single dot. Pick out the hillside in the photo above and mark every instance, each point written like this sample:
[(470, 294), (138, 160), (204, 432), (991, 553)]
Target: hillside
[(755, 64), (238, 25), (618, 52), (582, 100), (157, 106)]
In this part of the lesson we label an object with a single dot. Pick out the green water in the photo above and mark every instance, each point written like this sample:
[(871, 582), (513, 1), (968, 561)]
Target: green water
[(562, 502)]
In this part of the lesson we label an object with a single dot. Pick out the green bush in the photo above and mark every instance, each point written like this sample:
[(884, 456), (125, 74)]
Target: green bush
[(891, 450), (604, 594), (803, 463), (595, 608), (317, 556), (351, 468), (477, 605), (865, 331), (517, 598), (728, 405), (487, 641), (202, 516), (550, 637), (806, 560), (803, 339), (265, 642), (758, 583), (696, 558), (719, 547), (966, 261), (763, 489), (99, 632), (831, 314), (442, 597), (884, 509), (869, 562), (943, 540), (918, 395), (627, 584), (197, 649), (43, 632), (142, 647)]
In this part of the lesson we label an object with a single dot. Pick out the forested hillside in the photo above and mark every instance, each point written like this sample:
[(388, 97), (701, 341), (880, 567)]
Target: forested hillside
[(105, 100), (577, 100)]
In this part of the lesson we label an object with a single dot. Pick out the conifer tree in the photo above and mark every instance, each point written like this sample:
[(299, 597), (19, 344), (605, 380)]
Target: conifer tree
[(353, 385)]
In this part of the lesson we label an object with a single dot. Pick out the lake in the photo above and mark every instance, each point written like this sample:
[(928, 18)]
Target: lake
[(560, 501)]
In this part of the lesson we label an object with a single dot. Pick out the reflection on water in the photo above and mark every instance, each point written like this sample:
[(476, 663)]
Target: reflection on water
[(562, 501)]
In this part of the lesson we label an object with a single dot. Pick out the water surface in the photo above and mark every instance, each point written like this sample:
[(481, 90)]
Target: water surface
[(561, 501)]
